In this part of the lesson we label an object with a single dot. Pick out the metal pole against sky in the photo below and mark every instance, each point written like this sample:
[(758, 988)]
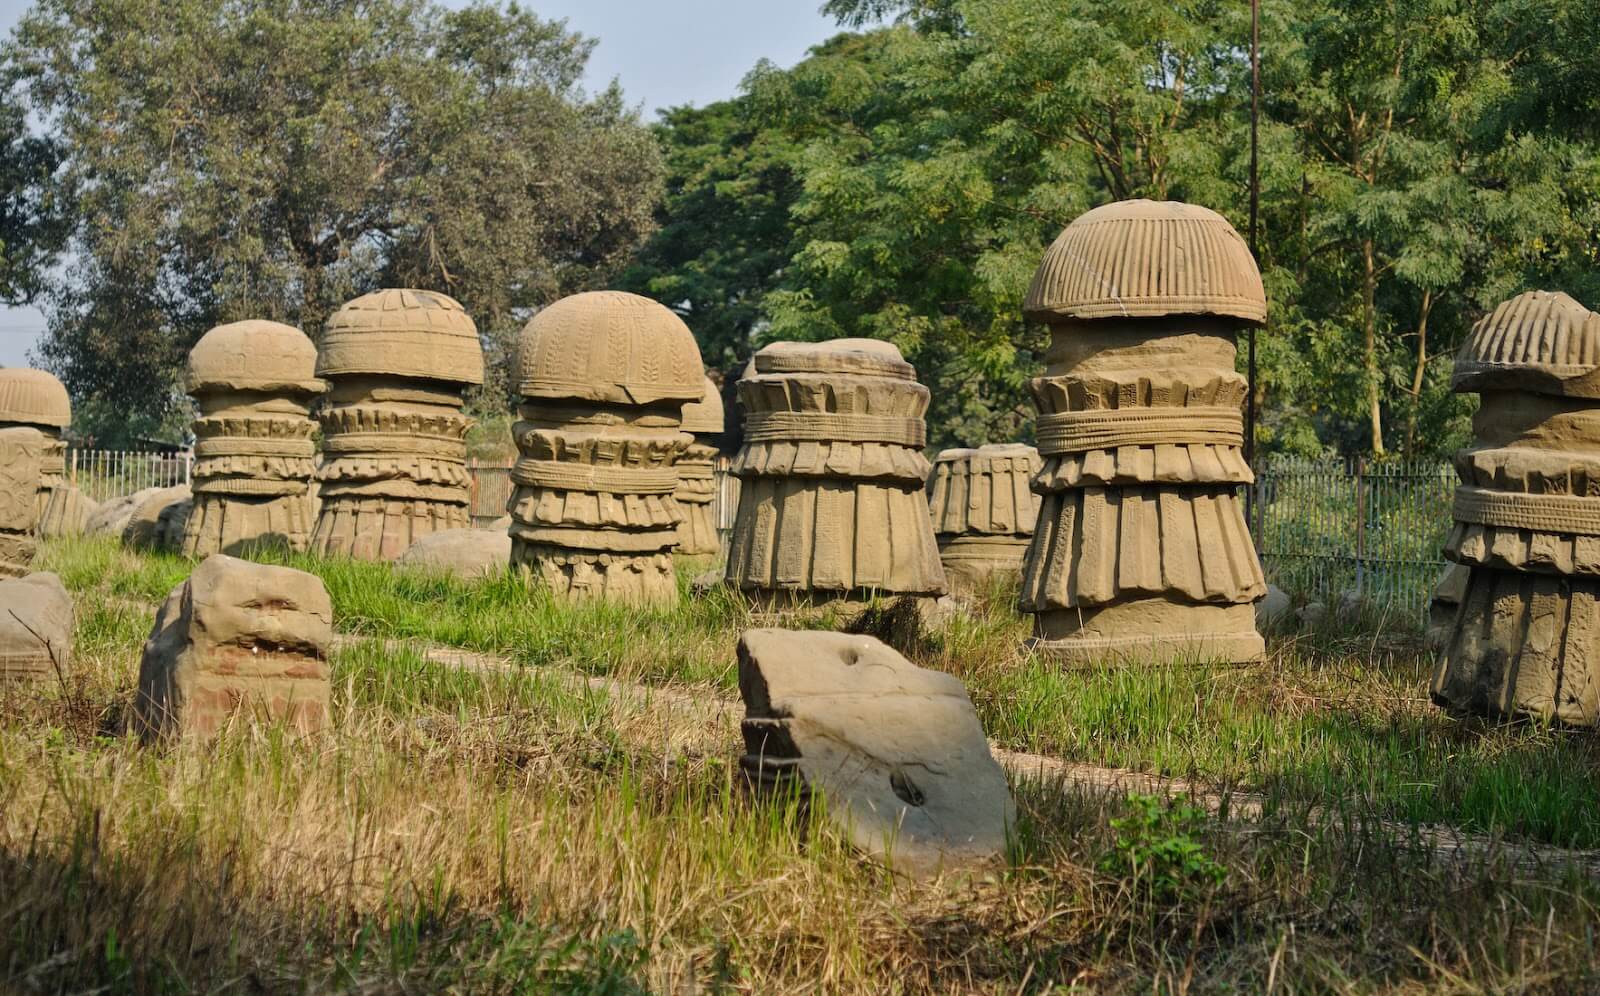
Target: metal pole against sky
[(1255, 200)]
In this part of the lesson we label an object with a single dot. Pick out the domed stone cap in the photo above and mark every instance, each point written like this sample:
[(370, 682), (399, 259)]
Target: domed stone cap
[(403, 333), (254, 355), (1147, 259), (872, 357), (1539, 341), (33, 397), (611, 347), (704, 417)]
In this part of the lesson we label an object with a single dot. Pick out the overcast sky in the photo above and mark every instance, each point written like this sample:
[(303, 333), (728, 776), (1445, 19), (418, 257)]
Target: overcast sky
[(665, 52)]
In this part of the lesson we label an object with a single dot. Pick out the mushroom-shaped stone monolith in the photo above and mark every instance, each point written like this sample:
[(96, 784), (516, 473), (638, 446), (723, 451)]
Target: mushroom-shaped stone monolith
[(1525, 637), (983, 511), (831, 499), (697, 485), (1141, 553), (604, 377), (394, 466), (35, 399), (253, 457)]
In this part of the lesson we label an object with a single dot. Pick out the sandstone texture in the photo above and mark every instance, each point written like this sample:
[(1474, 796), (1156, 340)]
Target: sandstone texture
[(831, 499), (21, 462), (1447, 595), (1141, 553), (467, 553), (983, 511), (254, 382), (156, 518), (604, 377), (394, 465), (697, 486), (895, 750), (1525, 637), (237, 638), (1274, 610), (35, 399), (35, 628)]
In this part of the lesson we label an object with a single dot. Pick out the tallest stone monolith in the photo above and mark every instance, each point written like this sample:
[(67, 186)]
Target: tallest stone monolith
[(1141, 551)]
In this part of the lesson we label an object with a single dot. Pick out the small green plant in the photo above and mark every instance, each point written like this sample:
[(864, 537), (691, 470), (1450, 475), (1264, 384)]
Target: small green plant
[(1157, 849)]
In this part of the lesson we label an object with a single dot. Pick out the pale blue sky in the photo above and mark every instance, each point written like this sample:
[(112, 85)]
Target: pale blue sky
[(665, 52)]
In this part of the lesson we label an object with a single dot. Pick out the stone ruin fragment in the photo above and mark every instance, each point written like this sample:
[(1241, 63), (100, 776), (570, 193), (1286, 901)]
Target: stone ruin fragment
[(697, 486), (831, 499), (394, 465), (254, 382), (34, 399), (895, 750), (35, 628), (237, 638), (604, 377), (1141, 552), (983, 511), (21, 460), (1525, 635)]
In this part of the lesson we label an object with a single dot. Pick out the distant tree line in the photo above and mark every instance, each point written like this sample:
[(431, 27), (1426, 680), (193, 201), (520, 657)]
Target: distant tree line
[(167, 166)]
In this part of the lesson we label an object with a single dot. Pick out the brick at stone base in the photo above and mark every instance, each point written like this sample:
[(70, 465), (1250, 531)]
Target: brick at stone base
[(237, 638)]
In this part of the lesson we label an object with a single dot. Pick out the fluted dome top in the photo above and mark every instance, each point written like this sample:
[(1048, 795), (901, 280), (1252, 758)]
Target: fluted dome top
[(872, 357), (704, 417), (1539, 341), (254, 355), (33, 397), (403, 333), (611, 347), (1147, 259)]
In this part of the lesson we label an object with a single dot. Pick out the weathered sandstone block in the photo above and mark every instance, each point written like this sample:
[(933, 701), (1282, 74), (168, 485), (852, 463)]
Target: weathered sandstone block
[(1525, 639), (21, 459), (983, 511), (35, 399), (697, 487), (468, 553), (237, 638), (604, 377), (896, 750), (831, 499), (35, 628), (394, 465), (1141, 552), (156, 518), (254, 382)]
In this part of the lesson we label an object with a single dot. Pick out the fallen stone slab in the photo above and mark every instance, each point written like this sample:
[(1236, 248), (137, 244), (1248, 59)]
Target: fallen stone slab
[(467, 553), (35, 627), (237, 637), (895, 750)]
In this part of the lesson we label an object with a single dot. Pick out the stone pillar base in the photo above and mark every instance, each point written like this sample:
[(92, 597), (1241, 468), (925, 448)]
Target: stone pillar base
[(16, 554), (368, 528), (1523, 644), (697, 533), (639, 578), (976, 560), (223, 523), (1149, 631), (64, 511)]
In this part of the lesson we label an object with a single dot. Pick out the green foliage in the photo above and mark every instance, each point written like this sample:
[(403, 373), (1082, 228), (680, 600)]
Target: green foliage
[(1157, 850), (272, 160), (32, 221)]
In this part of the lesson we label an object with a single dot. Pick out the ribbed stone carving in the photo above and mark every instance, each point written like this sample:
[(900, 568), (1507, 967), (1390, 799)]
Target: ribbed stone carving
[(1141, 552), (983, 511), (604, 377), (831, 499), (254, 382), (37, 400), (21, 457), (1525, 638), (697, 488), (394, 465)]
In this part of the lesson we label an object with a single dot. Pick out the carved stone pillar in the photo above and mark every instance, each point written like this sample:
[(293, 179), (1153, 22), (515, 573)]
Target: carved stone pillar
[(983, 511), (831, 500), (1141, 552), (697, 486), (254, 382), (1525, 637), (394, 465), (37, 400), (604, 378)]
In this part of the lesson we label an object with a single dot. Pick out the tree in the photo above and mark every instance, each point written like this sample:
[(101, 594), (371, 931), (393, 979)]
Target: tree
[(32, 222), (273, 158)]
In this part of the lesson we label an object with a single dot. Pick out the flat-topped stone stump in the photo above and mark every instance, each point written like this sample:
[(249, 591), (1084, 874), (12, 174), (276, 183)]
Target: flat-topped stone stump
[(604, 377), (237, 639), (1141, 553), (35, 628), (697, 485), (831, 499), (37, 400), (254, 383), (1524, 639), (394, 465), (896, 751), (983, 512)]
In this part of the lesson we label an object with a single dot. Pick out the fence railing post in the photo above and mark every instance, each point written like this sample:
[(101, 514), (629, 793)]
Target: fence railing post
[(1361, 525)]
